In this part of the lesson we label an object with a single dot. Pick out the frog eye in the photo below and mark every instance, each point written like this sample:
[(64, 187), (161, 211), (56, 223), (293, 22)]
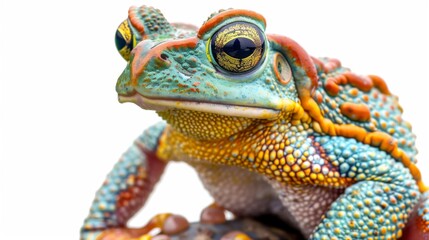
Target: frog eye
[(124, 40), (238, 47), (282, 69)]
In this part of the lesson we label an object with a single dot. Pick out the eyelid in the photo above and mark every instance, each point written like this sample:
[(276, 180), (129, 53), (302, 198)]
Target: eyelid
[(230, 14)]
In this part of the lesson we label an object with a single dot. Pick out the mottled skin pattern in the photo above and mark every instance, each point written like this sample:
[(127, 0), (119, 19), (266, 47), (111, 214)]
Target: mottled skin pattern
[(268, 128)]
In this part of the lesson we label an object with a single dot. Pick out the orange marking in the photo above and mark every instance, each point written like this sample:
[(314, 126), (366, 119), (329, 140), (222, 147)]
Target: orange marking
[(214, 21), (331, 87), (380, 84), (356, 112), (135, 20), (332, 84), (138, 66), (361, 82)]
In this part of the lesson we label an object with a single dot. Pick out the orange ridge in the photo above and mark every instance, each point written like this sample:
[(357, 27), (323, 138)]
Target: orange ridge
[(222, 16), (135, 20)]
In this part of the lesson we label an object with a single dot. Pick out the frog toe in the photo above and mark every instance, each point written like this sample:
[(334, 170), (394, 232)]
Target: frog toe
[(213, 214), (174, 224)]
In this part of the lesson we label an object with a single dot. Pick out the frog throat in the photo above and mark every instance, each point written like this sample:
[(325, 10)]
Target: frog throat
[(205, 126)]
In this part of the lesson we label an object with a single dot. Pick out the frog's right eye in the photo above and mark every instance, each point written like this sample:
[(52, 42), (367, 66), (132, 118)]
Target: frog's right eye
[(238, 47), (124, 40)]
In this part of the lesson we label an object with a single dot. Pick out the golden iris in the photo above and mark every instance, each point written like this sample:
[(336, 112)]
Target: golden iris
[(238, 47), (124, 40)]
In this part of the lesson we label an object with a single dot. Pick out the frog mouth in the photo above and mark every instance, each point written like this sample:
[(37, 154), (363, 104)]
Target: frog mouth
[(208, 107)]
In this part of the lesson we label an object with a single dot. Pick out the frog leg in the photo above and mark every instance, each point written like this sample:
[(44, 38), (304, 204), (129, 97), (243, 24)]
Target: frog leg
[(379, 202), (125, 191), (305, 204), (418, 225), (368, 209)]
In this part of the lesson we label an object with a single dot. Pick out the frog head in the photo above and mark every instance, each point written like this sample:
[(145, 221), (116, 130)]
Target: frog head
[(214, 81)]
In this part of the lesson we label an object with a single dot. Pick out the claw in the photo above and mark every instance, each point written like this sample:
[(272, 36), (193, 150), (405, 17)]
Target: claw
[(235, 235), (213, 214)]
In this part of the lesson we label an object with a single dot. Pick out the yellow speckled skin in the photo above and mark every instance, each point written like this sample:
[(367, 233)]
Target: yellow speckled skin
[(271, 147), (269, 130)]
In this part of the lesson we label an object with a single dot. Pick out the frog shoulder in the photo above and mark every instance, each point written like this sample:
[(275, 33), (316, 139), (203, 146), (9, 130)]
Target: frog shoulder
[(345, 97)]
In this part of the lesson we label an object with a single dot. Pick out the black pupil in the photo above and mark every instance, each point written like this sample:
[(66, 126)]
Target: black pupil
[(119, 41), (239, 48)]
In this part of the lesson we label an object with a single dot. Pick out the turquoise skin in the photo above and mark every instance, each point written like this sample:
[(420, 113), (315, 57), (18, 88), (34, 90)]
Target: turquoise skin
[(175, 68)]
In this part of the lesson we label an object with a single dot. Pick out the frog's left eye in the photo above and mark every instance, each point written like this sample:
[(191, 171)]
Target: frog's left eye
[(124, 40), (238, 47)]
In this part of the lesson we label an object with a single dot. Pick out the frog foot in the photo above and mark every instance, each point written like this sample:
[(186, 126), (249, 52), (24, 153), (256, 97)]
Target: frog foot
[(167, 223), (236, 235), (213, 214)]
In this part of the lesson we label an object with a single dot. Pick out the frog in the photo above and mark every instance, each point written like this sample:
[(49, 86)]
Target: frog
[(268, 128)]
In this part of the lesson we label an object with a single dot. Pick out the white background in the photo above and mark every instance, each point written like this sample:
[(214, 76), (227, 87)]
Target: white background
[(62, 128)]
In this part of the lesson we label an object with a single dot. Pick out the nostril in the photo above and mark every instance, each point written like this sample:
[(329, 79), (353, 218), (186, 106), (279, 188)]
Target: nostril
[(164, 56)]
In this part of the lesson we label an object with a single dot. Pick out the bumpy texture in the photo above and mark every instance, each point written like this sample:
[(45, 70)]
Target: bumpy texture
[(269, 130)]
